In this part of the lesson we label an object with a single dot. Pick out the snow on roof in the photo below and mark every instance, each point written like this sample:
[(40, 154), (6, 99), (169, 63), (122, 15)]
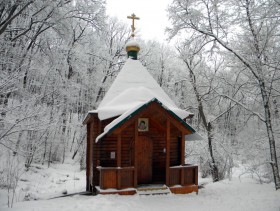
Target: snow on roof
[(133, 86), (133, 97), (132, 42), (118, 120), (93, 112)]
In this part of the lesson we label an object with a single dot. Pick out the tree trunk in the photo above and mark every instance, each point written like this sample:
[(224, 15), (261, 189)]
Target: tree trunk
[(270, 134), (207, 126), (214, 168)]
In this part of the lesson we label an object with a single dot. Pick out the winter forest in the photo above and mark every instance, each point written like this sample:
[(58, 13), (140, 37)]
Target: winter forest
[(58, 58)]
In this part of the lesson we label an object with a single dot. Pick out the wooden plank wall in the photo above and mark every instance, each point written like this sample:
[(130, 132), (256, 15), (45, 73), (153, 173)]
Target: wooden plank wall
[(190, 176), (158, 138), (94, 128), (127, 152), (175, 145), (101, 151), (175, 176), (109, 179), (107, 145)]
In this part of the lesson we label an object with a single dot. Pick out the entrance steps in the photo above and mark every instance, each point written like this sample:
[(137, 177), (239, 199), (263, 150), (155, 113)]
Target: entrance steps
[(153, 189)]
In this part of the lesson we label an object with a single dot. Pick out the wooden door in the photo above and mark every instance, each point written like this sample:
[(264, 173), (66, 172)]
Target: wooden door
[(145, 160)]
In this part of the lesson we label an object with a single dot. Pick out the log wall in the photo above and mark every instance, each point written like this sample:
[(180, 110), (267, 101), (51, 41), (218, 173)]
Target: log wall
[(103, 149), (100, 153)]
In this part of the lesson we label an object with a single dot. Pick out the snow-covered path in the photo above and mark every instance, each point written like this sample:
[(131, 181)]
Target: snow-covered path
[(226, 195)]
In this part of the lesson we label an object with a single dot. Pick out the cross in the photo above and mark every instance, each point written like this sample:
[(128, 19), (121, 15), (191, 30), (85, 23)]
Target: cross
[(133, 17)]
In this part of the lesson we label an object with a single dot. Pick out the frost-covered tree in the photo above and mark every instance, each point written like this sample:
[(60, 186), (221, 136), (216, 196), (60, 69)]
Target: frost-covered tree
[(111, 53), (45, 84), (247, 31)]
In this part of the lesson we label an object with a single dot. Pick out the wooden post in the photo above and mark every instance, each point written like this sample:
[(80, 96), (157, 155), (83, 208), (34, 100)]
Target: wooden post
[(119, 150), (135, 153), (92, 147), (88, 159), (182, 176), (196, 175), (182, 149), (101, 181), (119, 160), (182, 157), (167, 173), (96, 146)]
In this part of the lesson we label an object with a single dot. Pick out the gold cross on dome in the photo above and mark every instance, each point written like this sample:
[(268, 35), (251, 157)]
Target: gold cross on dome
[(133, 17)]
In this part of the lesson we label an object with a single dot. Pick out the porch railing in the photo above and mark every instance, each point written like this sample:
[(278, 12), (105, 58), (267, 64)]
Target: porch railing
[(183, 175), (123, 177), (116, 177)]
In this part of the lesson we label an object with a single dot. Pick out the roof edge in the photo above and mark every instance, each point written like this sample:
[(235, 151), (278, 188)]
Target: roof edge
[(88, 116)]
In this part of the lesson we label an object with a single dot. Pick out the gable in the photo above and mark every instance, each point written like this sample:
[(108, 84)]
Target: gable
[(130, 116)]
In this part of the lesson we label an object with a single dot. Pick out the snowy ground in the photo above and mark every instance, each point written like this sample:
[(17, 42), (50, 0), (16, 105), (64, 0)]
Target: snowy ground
[(245, 194), (41, 182)]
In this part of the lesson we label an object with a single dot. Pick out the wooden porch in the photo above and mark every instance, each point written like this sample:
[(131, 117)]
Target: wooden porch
[(182, 179)]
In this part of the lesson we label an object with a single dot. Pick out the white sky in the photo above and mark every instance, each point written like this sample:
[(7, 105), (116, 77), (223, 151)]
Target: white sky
[(152, 13)]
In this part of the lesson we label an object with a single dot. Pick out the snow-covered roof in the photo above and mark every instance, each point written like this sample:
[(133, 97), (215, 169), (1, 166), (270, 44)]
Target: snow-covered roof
[(132, 87), (131, 112), (117, 121)]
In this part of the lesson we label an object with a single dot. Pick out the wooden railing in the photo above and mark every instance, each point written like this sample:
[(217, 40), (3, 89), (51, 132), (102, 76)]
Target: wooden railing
[(116, 177), (183, 175), (123, 177)]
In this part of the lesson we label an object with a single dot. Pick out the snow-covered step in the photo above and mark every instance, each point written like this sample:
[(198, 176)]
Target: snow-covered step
[(153, 190)]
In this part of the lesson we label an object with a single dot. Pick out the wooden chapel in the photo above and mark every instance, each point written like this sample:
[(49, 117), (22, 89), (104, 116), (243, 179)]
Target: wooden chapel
[(136, 137)]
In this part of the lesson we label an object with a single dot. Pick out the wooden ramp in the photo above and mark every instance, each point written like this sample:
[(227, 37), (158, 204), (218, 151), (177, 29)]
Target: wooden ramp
[(158, 189)]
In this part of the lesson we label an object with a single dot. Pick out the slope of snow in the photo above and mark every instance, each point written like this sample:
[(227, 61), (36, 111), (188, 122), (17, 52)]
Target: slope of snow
[(132, 86), (236, 195), (41, 182)]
